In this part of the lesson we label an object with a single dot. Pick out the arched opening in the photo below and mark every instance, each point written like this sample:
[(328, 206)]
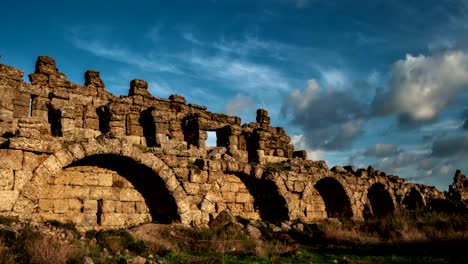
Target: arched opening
[(148, 124), (161, 204), (380, 200), (337, 203), (267, 200), (414, 200), (104, 116), (54, 118)]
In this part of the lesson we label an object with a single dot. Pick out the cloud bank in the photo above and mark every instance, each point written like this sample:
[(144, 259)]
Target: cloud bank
[(421, 87)]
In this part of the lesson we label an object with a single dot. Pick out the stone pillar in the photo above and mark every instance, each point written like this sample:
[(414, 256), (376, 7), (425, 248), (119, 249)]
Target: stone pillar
[(93, 78), (138, 87)]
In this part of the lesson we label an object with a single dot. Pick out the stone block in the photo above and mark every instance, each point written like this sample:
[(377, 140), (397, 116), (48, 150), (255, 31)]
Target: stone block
[(108, 206), (243, 198), (7, 200), (128, 194), (229, 197), (31, 160), (197, 176), (128, 207), (46, 205), (299, 186), (75, 205), (191, 188), (62, 179), (113, 219), (75, 192), (91, 179), (7, 179), (61, 206), (23, 206), (11, 159), (207, 206), (220, 207), (22, 177), (237, 187), (90, 206), (141, 208), (105, 179), (105, 193), (75, 177)]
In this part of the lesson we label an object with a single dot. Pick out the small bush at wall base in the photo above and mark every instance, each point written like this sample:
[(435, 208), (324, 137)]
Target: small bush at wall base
[(118, 240)]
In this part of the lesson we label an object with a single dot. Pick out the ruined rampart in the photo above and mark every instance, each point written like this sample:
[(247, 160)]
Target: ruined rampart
[(78, 153)]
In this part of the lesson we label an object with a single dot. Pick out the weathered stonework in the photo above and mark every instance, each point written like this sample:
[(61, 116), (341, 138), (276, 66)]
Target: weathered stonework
[(78, 153)]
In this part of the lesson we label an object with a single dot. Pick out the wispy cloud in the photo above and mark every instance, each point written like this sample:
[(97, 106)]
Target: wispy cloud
[(244, 74), (240, 103), (190, 37), (113, 52)]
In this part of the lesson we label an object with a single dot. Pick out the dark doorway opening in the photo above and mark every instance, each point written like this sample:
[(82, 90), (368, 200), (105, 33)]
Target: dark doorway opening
[(104, 116), (336, 201), (380, 200), (414, 200), (54, 118), (148, 124)]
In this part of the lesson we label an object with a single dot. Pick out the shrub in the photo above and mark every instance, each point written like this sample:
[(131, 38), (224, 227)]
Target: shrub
[(7, 220), (277, 167), (118, 240)]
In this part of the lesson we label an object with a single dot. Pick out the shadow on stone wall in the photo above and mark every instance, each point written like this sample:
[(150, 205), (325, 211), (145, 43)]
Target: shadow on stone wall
[(161, 204), (270, 204)]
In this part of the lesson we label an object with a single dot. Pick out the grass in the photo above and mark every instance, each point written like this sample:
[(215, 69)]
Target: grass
[(410, 237)]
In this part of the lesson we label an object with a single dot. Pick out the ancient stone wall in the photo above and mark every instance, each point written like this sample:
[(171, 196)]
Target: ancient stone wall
[(77, 153)]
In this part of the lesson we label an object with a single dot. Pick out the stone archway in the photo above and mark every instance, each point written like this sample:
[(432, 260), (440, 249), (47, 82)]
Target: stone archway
[(139, 187), (81, 154), (337, 202), (414, 200), (380, 200), (268, 201)]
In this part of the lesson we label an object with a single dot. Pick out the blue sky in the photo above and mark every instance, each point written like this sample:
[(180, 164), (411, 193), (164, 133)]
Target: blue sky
[(381, 83)]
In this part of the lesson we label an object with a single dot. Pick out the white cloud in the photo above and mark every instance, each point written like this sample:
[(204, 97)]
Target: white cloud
[(299, 142), (421, 87), (330, 119), (246, 75), (238, 104), (190, 37), (302, 100), (335, 78), (381, 150), (119, 54)]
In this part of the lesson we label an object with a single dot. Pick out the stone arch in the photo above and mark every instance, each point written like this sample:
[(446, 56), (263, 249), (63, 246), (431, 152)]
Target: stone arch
[(381, 201), (268, 200), (161, 204), (73, 154), (337, 202), (414, 200)]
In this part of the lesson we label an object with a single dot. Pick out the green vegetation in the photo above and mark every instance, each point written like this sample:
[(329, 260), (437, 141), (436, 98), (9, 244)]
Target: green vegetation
[(411, 237), (277, 167)]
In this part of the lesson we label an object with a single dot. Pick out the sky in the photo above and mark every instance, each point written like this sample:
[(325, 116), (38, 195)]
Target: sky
[(362, 82)]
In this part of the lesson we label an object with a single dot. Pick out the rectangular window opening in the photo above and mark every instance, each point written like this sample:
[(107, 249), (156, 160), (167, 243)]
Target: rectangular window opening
[(211, 140), (31, 102)]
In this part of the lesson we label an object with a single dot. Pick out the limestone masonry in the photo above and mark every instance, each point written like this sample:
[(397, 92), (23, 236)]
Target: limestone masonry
[(78, 153)]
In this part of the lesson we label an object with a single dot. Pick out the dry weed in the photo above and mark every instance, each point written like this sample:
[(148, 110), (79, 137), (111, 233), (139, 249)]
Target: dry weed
[(47, 250)]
